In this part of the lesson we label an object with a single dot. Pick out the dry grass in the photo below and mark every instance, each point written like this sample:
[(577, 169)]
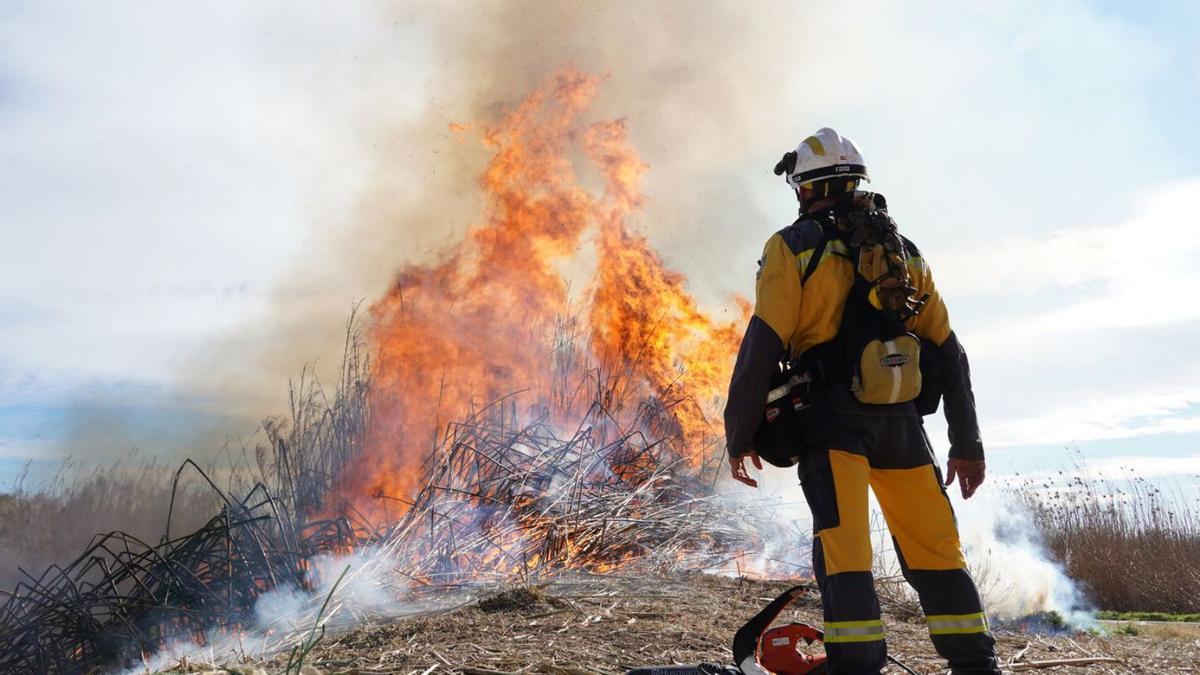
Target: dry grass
[(594, 624), (1132, 546), (51, 523)]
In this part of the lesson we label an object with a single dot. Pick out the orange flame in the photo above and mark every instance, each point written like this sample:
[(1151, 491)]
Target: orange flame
[(480, 323)]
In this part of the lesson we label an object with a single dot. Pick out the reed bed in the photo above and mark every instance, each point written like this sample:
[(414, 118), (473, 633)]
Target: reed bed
[(1132, 544)]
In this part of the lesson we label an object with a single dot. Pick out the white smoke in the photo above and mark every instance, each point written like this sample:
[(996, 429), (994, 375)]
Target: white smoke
[(1011, 565), (1003, 547), (779, 518), (1012, 569), (348, 590)]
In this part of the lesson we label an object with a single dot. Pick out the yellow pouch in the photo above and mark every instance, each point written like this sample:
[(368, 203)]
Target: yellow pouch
[(889, 371)]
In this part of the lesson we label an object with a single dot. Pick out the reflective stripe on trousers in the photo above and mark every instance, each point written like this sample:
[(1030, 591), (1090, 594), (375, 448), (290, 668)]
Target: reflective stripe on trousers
[(853, 631), (957, 624)]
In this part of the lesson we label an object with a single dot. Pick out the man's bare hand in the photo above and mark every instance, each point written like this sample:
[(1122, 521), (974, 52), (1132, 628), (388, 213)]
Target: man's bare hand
[(969, 472), (737, 466)]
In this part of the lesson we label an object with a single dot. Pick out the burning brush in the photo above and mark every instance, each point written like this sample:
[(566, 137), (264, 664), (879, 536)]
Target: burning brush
[(499, 502), (488, 317), (605, 460)]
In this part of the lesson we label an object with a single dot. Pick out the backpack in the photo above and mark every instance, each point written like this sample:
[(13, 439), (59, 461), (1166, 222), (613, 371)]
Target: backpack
[(880, 359), (873, 353)]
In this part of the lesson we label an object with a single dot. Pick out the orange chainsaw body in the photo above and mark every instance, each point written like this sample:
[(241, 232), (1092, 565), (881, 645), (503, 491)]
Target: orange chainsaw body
[(779, 650)]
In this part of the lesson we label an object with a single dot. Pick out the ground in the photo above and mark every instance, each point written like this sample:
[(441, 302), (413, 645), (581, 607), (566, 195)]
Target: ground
[(611, 623)]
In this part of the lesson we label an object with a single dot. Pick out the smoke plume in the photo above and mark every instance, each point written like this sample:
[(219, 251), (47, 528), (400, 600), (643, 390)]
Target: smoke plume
[(708, 96)]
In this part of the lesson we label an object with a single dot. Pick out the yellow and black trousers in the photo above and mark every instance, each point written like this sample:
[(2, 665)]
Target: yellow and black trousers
[(891, 455)]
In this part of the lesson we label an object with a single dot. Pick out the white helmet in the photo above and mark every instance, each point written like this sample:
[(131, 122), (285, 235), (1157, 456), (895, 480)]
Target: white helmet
[(825, 154)]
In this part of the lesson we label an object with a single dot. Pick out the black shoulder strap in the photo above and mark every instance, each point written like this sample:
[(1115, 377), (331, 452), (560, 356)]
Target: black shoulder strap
[(815, 260)]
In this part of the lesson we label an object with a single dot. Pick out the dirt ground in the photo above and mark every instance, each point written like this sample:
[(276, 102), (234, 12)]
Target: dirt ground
[(610, 624)]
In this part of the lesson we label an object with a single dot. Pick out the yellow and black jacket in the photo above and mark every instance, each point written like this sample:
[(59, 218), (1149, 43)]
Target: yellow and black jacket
[(793, 315)]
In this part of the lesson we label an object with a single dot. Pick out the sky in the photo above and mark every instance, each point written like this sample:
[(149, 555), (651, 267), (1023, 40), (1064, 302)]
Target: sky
[(182, 187)]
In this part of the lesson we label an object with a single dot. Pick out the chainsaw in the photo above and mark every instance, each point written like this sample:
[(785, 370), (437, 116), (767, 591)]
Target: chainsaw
[(761, 650)]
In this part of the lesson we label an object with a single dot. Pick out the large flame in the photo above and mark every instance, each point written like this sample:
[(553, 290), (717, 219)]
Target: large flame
[(484, 321)]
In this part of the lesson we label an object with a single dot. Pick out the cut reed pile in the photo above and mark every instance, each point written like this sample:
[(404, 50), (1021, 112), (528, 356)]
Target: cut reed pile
[(508, 502)]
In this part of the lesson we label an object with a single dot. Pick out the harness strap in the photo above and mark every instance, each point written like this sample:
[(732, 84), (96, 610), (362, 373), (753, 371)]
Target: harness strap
[(815, 260)]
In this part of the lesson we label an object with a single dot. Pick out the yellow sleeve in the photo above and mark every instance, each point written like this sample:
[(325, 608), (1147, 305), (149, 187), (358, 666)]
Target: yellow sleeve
[(933, 323), (777, 293)]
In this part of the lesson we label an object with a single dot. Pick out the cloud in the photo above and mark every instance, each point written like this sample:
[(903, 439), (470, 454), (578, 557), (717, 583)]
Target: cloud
[(23, 450), (1121, 468), (1105, 417), (157, 174), (1084, 332), (1126, 274)]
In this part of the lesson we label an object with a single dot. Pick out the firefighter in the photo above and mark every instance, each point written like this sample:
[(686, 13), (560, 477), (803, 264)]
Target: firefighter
[(805, 280)]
